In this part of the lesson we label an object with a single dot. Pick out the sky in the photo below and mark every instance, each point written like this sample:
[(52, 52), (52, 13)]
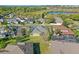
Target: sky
[(39, 2)]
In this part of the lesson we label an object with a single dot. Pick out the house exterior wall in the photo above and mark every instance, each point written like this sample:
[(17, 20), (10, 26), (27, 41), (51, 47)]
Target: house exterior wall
[(64, 37)]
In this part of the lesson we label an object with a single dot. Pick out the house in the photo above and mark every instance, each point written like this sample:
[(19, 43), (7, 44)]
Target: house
[(11, 15), (15, 21), (58, 20), (22, 30), (2, 31), (1, 19), (41, 20), (64, 33), (29, 20), (20, 20), (12, 30), (15, 28), (38, 30)]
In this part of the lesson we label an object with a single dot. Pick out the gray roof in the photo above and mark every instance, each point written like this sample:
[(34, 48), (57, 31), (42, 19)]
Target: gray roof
[(28, 20), (12, 20), (1, 20), (2, 35), (27, 48), (39, 29), (41, 20), (58, 20), (1, 30)]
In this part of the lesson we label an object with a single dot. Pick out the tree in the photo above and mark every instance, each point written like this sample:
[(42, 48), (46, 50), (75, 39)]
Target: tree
[(23, 31)]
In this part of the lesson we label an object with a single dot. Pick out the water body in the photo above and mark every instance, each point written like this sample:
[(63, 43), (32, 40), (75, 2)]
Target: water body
[(57, 12)]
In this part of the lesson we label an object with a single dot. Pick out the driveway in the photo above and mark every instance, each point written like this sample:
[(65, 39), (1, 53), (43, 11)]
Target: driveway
[(62, 47)]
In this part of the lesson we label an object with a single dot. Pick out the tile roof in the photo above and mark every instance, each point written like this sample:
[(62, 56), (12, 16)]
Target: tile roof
[(39, 29), (58, 20), (64, 29)]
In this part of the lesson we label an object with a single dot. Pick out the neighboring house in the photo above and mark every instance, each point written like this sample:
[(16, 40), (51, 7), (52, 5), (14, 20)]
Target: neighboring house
[(38, 30), (22, 30), (9, 31), (64, 34), (15, 21), (21, 20), (2, 31), (12, 31), (58, 20), (15, 28), (6, 32), (11, 15), (41, 20), (29, 20), (1, 19)]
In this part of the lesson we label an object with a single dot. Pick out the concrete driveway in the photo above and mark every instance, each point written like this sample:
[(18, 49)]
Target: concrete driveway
[(62, 47)]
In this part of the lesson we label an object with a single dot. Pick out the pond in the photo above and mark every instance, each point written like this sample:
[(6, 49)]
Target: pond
[(58, 12)]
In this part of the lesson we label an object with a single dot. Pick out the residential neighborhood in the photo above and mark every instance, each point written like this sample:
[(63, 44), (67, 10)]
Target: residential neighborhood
[(39, 29)]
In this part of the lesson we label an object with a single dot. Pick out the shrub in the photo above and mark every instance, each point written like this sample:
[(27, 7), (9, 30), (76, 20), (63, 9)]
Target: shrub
[(2, 44)]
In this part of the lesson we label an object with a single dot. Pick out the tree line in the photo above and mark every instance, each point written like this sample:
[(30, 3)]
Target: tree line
[(19, 10)]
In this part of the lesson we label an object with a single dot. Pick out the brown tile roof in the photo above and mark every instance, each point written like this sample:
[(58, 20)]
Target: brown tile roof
[(64, 29)]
